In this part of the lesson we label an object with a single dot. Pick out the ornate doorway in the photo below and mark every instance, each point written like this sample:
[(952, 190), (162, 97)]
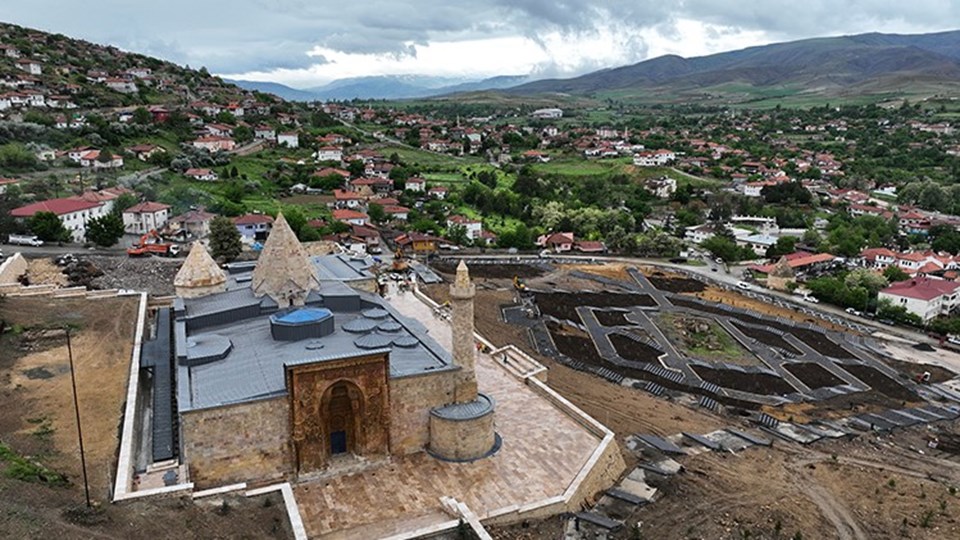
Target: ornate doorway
[(343, 402)]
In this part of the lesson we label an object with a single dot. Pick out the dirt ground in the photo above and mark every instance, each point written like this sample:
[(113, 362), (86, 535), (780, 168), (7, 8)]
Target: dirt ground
[(39, 430), (869, 487)]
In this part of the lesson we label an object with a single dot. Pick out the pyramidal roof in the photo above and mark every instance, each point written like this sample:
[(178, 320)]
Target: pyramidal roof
[(283, 271), (199, 269)]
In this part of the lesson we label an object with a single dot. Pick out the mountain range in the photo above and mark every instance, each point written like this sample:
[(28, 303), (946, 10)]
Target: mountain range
[(866, 62), (384, 87), (862, 64)]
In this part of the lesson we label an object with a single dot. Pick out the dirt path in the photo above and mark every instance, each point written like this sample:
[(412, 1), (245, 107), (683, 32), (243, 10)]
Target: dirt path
[(836, 513)]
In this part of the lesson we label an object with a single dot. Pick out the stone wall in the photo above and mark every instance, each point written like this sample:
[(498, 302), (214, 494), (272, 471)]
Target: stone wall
[(411, 399), (461, 440), (237, 443)]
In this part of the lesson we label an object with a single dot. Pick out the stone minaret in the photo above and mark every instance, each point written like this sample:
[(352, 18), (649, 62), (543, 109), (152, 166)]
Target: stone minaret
[(462, 292)]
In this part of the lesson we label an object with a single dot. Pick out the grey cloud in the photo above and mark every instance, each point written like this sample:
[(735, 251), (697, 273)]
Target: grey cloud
[(250, 35)]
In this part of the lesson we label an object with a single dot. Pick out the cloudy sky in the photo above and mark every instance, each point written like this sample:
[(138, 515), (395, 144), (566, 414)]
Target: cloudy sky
[(305, 43)]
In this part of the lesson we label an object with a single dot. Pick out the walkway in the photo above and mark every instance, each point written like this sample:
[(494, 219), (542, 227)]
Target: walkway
[(543, 451)]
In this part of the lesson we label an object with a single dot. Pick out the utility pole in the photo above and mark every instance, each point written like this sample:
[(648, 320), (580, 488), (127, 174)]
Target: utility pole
[(76, 408)]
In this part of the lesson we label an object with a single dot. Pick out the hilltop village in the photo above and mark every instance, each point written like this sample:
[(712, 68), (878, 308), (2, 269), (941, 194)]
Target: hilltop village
[(530, 319)]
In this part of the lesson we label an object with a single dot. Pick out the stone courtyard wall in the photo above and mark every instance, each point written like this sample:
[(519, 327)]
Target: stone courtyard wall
[(411, 399), (237, 443)]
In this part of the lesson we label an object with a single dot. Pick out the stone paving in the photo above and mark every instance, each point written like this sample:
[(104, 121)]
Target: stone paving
[(542, 452)]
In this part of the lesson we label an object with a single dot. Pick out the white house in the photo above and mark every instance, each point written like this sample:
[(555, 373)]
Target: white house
[(215, 144), (145, 217), (351, 217), (438, 192), (290, 140), (7, 182), (265, 133), (73, 213), (121, 85), (657, 158), (329, 153), (663, 187), (30, 66), (415, 184), (92, 159), (759, 243), (925, 297), (473, 227), (206, 175), (254, 226)]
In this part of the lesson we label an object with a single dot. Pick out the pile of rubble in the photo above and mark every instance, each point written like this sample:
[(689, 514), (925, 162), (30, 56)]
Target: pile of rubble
[(151, 274)]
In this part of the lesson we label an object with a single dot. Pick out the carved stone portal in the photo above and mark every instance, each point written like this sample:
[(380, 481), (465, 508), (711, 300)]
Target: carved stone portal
[(339, 407)]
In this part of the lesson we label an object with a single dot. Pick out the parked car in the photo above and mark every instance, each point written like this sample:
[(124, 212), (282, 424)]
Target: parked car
[(744, 285), (811, 299), (852, 311)]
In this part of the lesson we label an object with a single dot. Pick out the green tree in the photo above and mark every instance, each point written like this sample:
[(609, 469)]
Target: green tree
[(124, 201), (458, 235), (224, 239), (724, 248), (48, 227), (295, 219), (784, 246), (105, 230), (142, 116), (894, 274), (376, 213)]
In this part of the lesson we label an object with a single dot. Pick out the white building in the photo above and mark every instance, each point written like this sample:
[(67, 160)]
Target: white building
[(290, 140), (473, 227), (547, 113), (145, 217), (73, 213), (415, 184), (925, 297), (329, 153), (121, 85)]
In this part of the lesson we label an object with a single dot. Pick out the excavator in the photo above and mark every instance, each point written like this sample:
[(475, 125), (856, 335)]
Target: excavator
[(400, 261), (519, 285), (152, 244)]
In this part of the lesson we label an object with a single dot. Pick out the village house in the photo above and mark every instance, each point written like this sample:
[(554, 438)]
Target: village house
[(9, 51), (215, 144), (351, 217), (418, 243), (473, 227), (396, 212), (289, 139), (145, 217), (925, 297), (329, 153), (6, 183), (143, 152), (438, 192), (415, 184), (265, 132), (663, 187), (121, 85), (93, 159), (205, 175), (253, 227), (30, 66), (73, 213), (546, 114), (192, 224)]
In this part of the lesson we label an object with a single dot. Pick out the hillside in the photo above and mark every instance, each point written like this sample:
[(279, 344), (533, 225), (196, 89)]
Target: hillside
[(872, 62), (87, 75), (384, 87)]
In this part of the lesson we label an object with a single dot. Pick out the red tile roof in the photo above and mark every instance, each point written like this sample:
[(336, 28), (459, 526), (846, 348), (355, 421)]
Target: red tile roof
[(146, 207), (922, 288), (252, 219), (57, 206)]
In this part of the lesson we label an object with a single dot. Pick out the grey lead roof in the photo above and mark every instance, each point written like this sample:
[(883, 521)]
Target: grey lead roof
[(254, 367)]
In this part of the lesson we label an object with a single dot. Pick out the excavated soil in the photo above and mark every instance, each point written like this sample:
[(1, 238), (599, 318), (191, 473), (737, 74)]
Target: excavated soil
[(768, 338), (612, 318), (676, 284), (564, 306), (813, 375), (880, 382), (755, 383), (633, 350)]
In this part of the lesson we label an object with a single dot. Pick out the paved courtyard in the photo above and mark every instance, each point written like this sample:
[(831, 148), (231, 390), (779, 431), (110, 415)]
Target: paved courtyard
[(543, 451)]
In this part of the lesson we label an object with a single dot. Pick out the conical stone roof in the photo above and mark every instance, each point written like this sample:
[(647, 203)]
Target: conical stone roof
[(199, 270), (283, 271)]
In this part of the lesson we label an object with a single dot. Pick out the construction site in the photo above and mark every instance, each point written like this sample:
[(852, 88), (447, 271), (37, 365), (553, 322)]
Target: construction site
[(736, 414), (739, 415)]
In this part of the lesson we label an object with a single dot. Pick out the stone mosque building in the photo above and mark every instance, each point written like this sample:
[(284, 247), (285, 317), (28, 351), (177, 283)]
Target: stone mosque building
[(285, 371)]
